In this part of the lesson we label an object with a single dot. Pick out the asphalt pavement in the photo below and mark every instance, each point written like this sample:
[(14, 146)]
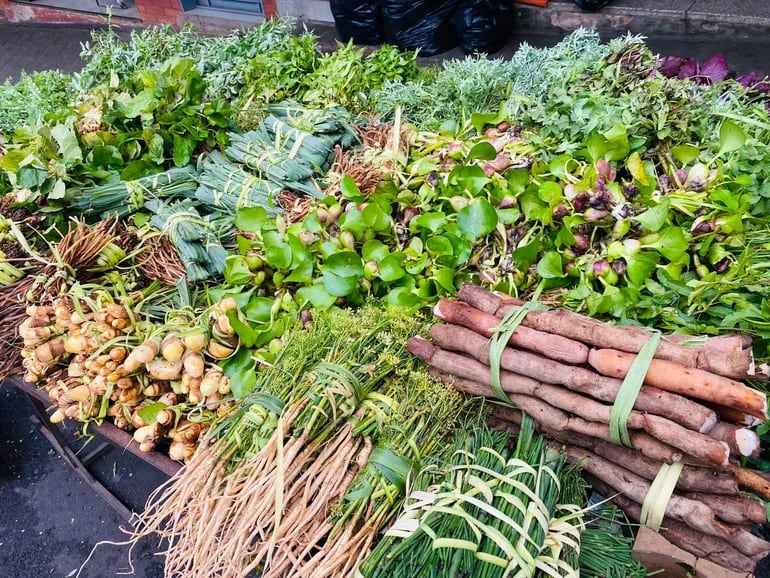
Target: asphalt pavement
[(49, 518)]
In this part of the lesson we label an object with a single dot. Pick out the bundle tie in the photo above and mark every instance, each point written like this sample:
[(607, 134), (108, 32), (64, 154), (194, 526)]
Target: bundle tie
[(658, 496), (629, 391)]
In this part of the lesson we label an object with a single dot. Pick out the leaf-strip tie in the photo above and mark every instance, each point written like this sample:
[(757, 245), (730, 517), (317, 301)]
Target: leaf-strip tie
[(629, 391), (659, 494), (501, 337)]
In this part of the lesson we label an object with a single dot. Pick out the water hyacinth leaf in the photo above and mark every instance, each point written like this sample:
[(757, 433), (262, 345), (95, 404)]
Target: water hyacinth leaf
[(444, 278), (617, 143), (550, 266), (671, 243), (429, 221), (241, 369), (654, 218), (390, 268), (416, 265), (259, 309), (279, 255), (354, 222), (316, 295), (482, 151), (375, 217), (402, 297), (685, 154), (374, 250), (439, 246), (471, 179), (731, 137), (302, 272), (237, 270), (477, 220), (640, 267), (350, 190)]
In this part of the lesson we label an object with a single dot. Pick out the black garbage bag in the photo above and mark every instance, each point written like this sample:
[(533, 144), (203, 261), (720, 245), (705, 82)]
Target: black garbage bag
[(423, 24), (483, 26), (359, 20)]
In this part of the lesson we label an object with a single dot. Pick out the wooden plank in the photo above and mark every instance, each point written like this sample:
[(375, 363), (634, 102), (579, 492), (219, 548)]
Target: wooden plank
[(108, 431)]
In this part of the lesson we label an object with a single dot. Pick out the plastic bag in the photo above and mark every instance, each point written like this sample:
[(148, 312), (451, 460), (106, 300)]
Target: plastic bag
[(483, 26), (360, 20), (423, 24)]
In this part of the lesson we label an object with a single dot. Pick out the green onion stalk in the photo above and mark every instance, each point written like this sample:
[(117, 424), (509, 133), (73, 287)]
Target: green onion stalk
[(263, 503), (491, 511)]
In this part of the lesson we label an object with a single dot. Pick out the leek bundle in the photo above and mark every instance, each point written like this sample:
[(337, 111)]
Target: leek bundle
[(126, 197), (491, 511), (193, 236), (226, 187)]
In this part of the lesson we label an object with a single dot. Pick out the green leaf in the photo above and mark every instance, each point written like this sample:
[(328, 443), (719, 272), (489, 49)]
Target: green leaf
[(241, 369), (390, 269), (636, 168), (67, 139), (617, 142), (653, 219), (672, 243), (402, 297), (341, 273), (143, 101), (30, 177), (350, 190), (445, 278), (477, 220), (58, 191), (439, 246), (251, 219), (279, 255), (471, 179), (183, 150), (237, 270), (157, 154), (685, 154), (429, 221), (258, 309), (374, 250), (550, 266), (482, 151), (303, 273), (339, 286), (731, 137), (317, 296), (149, 413)]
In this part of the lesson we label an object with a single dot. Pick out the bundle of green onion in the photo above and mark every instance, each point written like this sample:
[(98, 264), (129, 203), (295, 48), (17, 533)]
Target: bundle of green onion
[(226, 187), (126, 197), (491, 511), (195, 237)]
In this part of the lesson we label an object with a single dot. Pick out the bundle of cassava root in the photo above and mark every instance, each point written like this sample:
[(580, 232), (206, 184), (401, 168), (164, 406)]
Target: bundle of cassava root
[(566, 370)]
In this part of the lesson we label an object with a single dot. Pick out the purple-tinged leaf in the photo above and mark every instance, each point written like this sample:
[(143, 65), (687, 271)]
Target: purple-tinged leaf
[(688, 69), (670, 65), (715, 69), (755, 82)]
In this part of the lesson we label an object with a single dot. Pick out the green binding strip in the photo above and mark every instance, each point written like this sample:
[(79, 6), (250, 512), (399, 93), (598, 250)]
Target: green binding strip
[(502, 334), (629, 390), (659, 494)]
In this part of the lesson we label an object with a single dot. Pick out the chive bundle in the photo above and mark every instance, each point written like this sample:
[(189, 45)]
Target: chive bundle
[(126, 197)]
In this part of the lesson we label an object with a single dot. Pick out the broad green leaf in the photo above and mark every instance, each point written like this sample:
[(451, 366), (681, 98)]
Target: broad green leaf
[(279, 255), (58, 191), (183, 150), (67, 139), (317, 296), (685, 154), (339, 286), (258, 309), (731, 137), (345, 264), (250, 220), (157, 154), (429, 221), (30, 177), (241, 369), (237, 270), (636, 168), (302, 273), (445, 278), (390, 268), (438, 246), (142, 102), (653, 219), (477, 220), (149, 413), (482, 151), (350, 190), (617, 143), (550, 266), (374, 250), (402, 297)]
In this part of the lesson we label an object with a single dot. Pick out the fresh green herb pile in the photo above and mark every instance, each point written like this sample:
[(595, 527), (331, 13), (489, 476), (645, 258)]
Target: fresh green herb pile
[(27, 100)]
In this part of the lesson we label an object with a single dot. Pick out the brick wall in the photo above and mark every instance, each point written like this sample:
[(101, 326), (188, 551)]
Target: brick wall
[(16, 12), (160, 11)]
